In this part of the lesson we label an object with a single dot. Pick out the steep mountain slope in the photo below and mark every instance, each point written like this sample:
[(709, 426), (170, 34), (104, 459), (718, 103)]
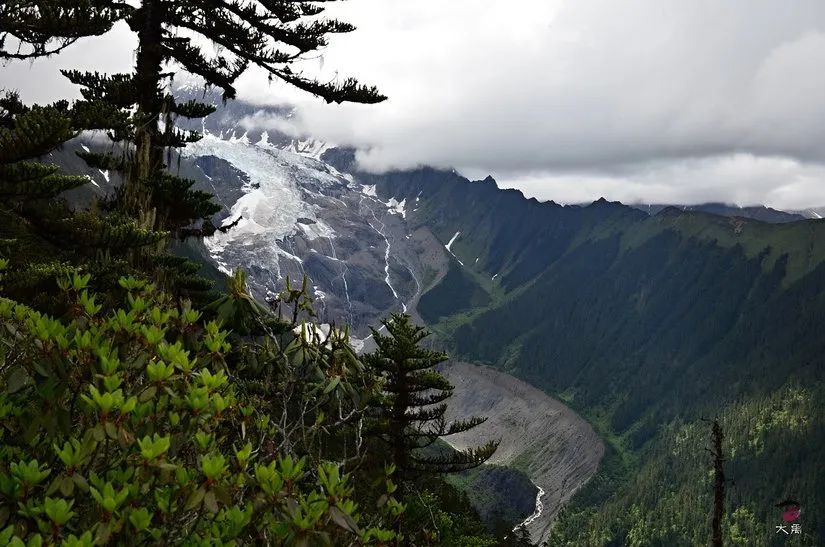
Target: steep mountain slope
[(773, 445), (528, 423), (635, 320), (298, 215)]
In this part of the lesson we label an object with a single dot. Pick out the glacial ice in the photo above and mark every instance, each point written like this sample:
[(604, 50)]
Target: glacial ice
[(272, 204)]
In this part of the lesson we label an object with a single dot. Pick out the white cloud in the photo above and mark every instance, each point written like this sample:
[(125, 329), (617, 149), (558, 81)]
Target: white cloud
[(715, 101), (741, 179), (41, 82), (654, 100)]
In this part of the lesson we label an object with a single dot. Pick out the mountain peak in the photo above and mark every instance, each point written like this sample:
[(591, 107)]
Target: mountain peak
[(489, 181), (603, 202)]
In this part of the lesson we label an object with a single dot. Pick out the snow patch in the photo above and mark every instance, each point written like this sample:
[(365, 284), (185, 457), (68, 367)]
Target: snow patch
[(357, 343), (309, 148), (313, 330), (322, 332), (450, 244), (317, 230), (452, 240), (105, 174), (243, 139), (369, 190), (397, 207), (287, 254), (84, 147)]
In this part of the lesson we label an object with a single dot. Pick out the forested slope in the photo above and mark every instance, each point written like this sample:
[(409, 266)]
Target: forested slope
[(643, 324)]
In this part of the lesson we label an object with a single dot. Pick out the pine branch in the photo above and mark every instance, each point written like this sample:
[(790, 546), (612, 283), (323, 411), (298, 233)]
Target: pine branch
[(456, 461), (461, 426), (48, 27), (34, 133)]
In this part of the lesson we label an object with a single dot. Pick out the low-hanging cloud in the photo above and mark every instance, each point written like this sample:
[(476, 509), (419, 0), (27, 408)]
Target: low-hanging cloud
[(642, 100), (722, 101)]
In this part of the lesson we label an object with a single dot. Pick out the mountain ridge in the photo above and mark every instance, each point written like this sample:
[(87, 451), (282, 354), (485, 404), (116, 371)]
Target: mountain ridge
[(632, 319)]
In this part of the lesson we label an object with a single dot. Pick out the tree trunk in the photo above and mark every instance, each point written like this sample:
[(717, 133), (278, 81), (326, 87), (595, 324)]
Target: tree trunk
[(398, 425), (148, 157)]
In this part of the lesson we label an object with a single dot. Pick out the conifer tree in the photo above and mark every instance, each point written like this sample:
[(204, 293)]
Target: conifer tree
[(39, 233), (410, 418), (138, 109)]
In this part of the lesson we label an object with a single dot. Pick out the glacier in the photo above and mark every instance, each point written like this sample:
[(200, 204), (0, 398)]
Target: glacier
[(272, 203)]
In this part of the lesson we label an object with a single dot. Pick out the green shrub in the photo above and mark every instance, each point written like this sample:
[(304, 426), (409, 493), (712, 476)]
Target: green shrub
[(130, 428)]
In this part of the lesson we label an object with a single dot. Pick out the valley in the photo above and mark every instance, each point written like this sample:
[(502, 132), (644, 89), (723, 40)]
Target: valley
[(466, 274), (588, 303), (557, 449)]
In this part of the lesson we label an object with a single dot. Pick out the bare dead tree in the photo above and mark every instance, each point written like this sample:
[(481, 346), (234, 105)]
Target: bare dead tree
[(718, 483)]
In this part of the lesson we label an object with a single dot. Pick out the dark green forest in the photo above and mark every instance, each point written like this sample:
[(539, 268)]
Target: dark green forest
[(683, 316)]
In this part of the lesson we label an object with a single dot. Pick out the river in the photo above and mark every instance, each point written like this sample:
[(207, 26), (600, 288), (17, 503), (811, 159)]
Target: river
[(557, 449)]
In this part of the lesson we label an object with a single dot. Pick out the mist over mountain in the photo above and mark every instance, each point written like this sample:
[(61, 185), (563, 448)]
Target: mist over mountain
[(542, 273), (763, 213), (643, 318), (640, 319)]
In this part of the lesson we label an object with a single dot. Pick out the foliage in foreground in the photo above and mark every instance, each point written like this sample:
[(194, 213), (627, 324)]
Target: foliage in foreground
[(128, 427)]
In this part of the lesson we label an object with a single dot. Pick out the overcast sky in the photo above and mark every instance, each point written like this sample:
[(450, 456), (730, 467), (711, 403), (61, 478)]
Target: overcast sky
[(641, 100)]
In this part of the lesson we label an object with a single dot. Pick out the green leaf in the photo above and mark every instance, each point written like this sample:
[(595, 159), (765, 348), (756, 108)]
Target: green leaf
[(332, 385), (66, 486), (104, 532), (81, 482), (210, 502), (98, 433), (149, 394), (343, 520), (222, 495), (16, 380), (111, 430), (195, 499)]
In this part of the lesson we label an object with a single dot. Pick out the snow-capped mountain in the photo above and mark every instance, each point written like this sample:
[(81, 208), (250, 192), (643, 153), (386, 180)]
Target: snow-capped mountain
[(563, 296), (369, 244), (299, 216)]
